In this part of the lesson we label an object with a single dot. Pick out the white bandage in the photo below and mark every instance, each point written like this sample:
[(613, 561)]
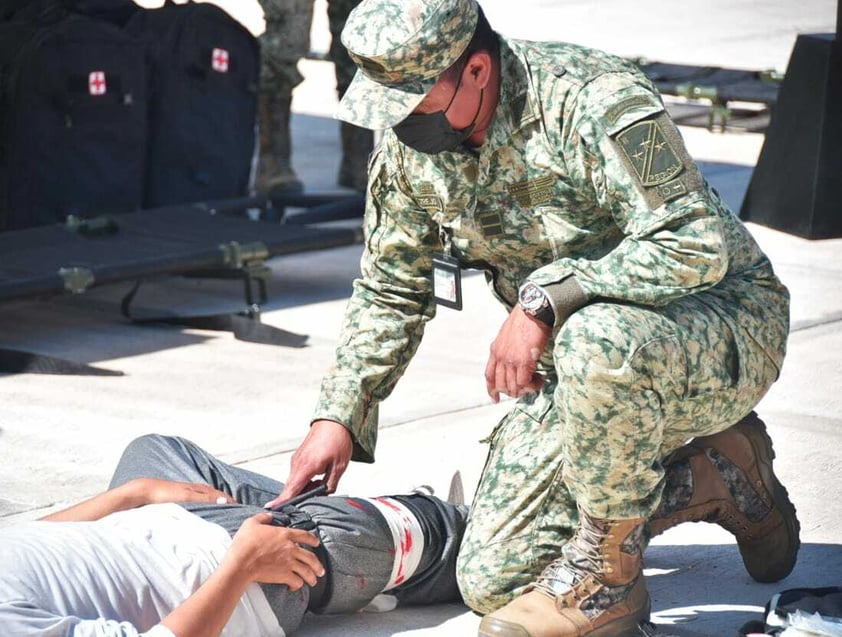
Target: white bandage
[(407, 536)]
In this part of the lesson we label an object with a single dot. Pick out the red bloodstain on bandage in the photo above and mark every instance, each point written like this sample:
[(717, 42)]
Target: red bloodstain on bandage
[(407, 536)]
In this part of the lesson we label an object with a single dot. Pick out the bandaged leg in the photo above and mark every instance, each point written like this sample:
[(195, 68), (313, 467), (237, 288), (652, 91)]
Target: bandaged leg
[(404, 545)]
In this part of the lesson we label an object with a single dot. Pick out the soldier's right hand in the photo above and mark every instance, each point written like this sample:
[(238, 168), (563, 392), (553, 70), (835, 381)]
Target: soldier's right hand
[(325, 453)]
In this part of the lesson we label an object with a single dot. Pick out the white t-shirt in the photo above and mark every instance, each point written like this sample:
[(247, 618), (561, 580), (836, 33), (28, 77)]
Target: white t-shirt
[(118, 576)]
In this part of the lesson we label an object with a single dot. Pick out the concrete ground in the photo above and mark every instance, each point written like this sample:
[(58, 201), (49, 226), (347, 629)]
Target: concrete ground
[(61, 435)]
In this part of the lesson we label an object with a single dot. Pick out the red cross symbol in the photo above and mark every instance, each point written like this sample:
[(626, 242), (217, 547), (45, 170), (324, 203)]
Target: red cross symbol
[(96, 83), (219, 60)]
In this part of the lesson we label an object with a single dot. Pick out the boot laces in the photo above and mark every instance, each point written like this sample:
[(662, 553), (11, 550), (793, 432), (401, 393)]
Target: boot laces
[(580, 557)]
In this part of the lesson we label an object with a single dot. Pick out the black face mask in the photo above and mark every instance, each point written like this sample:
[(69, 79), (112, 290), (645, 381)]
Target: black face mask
[(431, 133)]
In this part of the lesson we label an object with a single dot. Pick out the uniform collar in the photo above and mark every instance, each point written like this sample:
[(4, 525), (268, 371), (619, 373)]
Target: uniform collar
[(516, 107), (516, 99)]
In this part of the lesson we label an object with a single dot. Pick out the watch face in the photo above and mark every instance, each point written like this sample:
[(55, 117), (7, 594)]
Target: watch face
[(531, 297)]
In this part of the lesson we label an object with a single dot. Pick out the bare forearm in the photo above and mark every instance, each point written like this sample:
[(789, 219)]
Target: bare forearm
[(124, 497), (139, 492), (206, 611)]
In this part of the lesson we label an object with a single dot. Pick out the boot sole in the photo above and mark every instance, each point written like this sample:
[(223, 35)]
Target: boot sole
[(622, 627), (758, 437), (625, 626)]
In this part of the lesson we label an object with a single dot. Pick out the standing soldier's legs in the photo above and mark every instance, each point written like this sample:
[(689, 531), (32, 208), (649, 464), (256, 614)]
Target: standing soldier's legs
[(633, 385), (285, 41), (357, 143)]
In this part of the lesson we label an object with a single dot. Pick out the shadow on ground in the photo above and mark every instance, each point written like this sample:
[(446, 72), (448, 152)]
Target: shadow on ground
[(705, 587)]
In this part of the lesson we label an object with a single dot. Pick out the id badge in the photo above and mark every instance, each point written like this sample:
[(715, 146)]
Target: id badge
[(447, 281)]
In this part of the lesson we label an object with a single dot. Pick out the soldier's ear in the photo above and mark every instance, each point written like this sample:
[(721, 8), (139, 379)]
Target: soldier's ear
[(478, 69)]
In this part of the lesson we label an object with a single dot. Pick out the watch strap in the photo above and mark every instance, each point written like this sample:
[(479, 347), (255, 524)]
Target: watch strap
[(565, 297)]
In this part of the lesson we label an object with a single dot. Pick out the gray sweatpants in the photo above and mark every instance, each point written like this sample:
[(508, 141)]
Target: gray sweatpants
[(357, 548)]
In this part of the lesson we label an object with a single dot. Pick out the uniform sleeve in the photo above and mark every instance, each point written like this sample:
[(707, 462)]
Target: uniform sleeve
[(22, 619), (390, 305), (619, 143)]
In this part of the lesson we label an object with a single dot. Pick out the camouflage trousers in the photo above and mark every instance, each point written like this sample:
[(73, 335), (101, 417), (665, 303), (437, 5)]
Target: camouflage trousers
[(337, 15), (629, 385), (285, 41)]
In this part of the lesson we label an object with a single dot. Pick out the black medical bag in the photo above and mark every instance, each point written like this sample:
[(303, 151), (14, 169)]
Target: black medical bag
[(204, 73), (73, 118)]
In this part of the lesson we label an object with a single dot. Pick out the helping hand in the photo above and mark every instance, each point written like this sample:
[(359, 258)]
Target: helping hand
[(326, 451)]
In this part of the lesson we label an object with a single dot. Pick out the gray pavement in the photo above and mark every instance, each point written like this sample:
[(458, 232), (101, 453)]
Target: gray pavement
[(61, 435)]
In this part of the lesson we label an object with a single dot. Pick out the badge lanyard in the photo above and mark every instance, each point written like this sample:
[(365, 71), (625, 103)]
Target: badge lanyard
[(447, 276)]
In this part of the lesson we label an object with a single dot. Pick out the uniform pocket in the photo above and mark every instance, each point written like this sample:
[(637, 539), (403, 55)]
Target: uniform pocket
[(583, 232)]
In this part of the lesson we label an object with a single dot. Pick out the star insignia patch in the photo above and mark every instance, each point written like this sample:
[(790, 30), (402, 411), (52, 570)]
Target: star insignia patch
[(646, 147)]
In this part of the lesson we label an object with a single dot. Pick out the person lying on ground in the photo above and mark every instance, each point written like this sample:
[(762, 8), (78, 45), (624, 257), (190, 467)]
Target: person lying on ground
[(180, 545)]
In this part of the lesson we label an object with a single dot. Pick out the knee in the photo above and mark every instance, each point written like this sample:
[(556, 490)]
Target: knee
[(143, 446), (596, 335), (611, 343), (482, 589), (135, 459)]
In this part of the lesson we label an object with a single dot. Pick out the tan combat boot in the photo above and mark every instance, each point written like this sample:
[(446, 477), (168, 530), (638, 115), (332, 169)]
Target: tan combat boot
[(274, 163), (727, 478), (595, 588)]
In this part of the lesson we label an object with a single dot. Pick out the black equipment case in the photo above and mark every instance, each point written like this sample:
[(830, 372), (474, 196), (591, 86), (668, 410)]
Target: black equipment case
[(72, 119), (204, 78)]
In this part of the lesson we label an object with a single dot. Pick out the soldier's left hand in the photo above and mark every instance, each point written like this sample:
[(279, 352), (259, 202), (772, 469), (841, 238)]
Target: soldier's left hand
[(514, 356)]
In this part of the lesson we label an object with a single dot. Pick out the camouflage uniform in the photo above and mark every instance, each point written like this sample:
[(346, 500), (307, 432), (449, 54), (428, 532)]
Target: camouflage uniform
[(357, 143), (337, 15), (284, 42), (670, 322)]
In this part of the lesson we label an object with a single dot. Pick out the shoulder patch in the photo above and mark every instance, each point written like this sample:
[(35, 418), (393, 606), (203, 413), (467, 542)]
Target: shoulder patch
[(649, 152), (654, 154)]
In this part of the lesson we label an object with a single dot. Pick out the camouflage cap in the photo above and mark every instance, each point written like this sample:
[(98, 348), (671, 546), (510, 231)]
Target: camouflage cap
[(401, 47)]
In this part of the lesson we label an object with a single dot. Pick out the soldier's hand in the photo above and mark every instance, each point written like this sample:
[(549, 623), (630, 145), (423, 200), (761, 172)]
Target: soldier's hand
[(514, 356), (325, 452)]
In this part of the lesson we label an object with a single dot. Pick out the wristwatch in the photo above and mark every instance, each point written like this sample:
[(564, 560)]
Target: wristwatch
[(535, 302)]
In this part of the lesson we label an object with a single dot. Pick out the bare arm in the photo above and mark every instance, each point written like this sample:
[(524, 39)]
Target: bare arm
[(260, 552), (135, 493)]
